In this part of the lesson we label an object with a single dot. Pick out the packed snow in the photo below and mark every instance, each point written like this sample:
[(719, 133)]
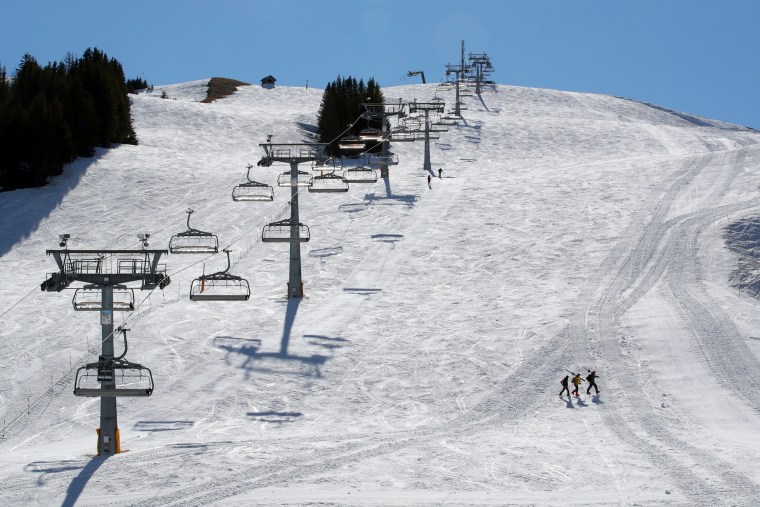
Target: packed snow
[(422, 367)]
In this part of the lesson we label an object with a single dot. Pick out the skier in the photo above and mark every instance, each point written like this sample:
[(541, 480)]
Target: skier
[(429, 178), (591, 379), (440, 172), (576, 382), (564, 385)]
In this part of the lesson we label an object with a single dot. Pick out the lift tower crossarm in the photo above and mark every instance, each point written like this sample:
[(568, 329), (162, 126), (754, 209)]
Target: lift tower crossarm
[(417, 73)]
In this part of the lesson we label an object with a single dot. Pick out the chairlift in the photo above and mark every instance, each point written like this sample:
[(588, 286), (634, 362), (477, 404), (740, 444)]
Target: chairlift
[(351, 143), (329, 183), (383, 159), (220, 286), (122, 378), (302, 179), (91, 299), (360, 175), (371, 134), (252, 190), (285, 231), (332, 164), (403, 135), (193, 241)]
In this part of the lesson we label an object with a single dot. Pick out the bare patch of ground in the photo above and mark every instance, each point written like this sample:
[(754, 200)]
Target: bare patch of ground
[(220, 87)]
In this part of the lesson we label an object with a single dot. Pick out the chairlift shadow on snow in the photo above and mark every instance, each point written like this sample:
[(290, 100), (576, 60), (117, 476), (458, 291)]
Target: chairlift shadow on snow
[(353, 207), (163, 425), (326, 342), (391, 199), (362, 291), (79, 482), (324, 253), (30, 206), (51, 467), (273, 416)]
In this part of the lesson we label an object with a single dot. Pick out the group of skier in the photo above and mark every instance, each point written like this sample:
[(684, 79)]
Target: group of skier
[(577, 380)]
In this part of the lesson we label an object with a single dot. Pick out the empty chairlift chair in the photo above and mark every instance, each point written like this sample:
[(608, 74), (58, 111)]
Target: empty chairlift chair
[(220, 286), (91, 299), (351, 143), (252, 190), (328, 183), (113, 376), (371, 134), (193, 241), (360, 175), (383, 159), (302, 179), (285, 231)]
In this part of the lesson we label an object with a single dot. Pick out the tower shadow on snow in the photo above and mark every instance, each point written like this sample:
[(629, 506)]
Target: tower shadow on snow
[(265, 362), (79, 482)]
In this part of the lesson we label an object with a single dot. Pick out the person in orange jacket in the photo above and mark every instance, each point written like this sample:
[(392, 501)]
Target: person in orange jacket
[(576, 382)]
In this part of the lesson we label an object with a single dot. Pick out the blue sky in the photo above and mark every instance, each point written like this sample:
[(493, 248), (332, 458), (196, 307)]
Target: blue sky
[(695, 56)]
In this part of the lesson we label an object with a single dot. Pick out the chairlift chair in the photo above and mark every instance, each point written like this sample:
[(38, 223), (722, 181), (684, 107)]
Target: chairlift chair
[(403, 135), (302, 179), (351, 143), (91, 299), (332, 164), (329, 183), (252, 190), (220, 286), (285, 231), (360, 175), (193, 241), (109, 370), (371, 134), (122, 378), (383, 159)]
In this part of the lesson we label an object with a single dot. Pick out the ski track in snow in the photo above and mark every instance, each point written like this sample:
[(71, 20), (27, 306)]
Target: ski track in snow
[(568, 230)]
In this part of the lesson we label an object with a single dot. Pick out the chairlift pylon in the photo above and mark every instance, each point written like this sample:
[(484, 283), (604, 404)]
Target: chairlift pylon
[(220, 286), (193, 241), (252, 190)]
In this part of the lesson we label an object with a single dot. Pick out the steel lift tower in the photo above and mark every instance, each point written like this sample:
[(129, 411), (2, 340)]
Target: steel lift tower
[(378, 111), (481, 66), (458, 70), (295, 232), (104, 270), (427, 107)]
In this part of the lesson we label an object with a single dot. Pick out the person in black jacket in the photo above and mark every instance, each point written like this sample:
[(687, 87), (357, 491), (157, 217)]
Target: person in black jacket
[(564, 385), (591, 379)]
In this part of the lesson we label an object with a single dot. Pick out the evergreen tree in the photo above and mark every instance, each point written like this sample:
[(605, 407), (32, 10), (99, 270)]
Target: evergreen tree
[(342, 107), (49, 116)]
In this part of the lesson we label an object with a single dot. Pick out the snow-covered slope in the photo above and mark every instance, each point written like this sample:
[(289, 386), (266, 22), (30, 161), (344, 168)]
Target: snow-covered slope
[(569, 231)]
